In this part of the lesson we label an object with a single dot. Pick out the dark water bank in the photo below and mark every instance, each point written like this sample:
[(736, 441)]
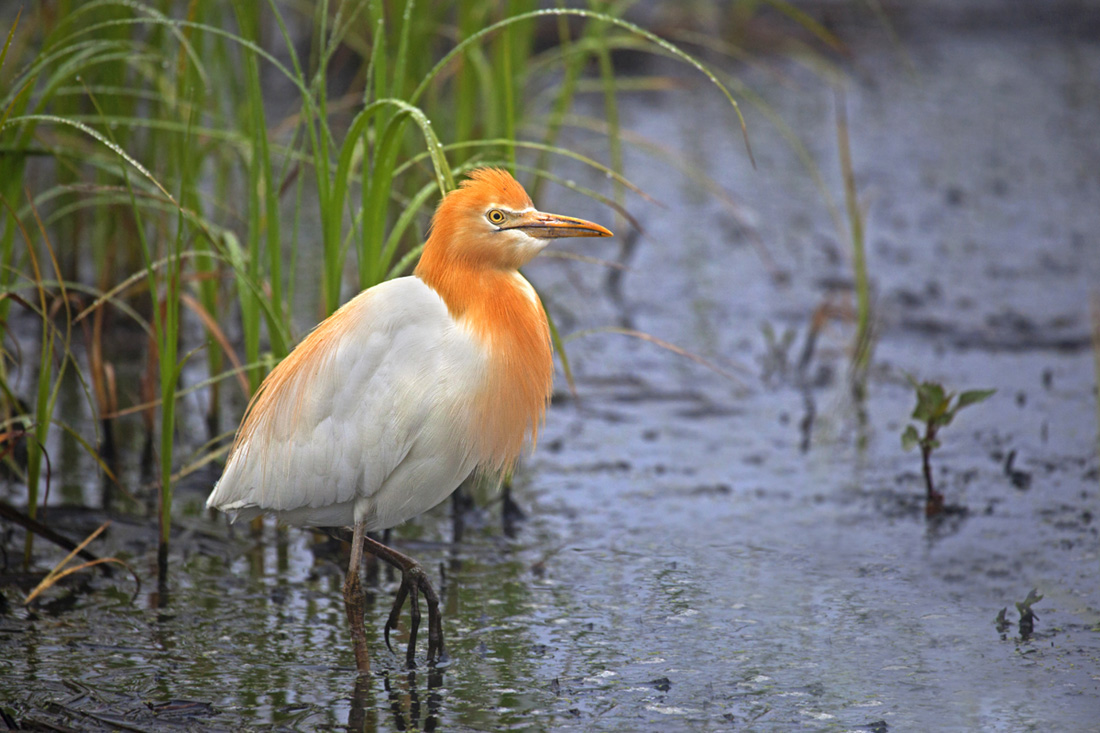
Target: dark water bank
[(685, 563)]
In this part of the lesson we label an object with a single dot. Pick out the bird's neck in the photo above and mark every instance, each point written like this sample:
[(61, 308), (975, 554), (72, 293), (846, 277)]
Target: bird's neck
[(502, 310)]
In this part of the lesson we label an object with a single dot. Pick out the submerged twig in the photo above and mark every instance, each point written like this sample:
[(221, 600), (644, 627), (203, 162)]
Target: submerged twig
[(58, 572), (680, 351), (7, 511)]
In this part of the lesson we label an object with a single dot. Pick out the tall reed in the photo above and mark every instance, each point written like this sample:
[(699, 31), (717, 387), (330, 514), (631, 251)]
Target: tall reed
[(864, 339)]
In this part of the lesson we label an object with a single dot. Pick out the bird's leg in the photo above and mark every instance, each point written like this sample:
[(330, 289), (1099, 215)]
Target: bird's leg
[(462, 505), (353, 601), (414, 581), (510, 512), (387, 535)]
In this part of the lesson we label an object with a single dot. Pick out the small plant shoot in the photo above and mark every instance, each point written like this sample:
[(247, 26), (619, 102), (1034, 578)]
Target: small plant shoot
[(936, 408), (1027, 616)]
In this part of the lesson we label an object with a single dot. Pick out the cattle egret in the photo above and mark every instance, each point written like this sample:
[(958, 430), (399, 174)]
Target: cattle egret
[(414, 384)]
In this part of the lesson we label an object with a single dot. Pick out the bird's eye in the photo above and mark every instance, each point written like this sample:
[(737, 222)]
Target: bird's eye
[(495, 216)]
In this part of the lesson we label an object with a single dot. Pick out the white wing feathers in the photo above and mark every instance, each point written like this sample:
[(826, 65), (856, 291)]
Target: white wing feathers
[(365, 420)]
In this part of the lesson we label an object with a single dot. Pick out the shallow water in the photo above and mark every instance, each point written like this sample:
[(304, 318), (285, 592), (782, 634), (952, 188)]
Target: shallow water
[(685, 564)]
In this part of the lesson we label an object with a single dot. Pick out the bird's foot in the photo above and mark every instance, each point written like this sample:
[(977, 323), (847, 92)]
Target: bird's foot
[(414, 582)]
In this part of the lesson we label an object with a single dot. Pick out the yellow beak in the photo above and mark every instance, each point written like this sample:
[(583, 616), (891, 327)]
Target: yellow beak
[(541, 225)]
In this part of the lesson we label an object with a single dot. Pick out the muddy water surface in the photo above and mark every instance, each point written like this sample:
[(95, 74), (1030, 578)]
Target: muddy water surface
[(698, 554)]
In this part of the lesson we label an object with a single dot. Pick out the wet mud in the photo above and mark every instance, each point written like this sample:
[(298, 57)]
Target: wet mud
[(738, 547)]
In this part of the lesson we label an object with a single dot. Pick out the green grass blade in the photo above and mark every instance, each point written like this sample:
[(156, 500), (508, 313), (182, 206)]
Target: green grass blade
[(656, 40)]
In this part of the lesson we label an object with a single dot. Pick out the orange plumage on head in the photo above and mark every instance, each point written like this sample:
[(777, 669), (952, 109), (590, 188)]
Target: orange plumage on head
[(453, 234)]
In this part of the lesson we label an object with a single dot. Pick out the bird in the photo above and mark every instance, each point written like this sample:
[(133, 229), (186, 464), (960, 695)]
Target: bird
[(413, 385)]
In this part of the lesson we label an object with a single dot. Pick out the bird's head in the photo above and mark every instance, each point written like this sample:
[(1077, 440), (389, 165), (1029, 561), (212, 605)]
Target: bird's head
[(489, 221)]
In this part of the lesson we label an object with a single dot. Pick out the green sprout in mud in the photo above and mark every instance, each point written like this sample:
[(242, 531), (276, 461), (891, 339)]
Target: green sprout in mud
[(1027, 616), (1001, 622), (935, 410)]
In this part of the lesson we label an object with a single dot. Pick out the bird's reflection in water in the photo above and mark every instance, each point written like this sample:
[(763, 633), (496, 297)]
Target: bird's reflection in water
[(412, 707)]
